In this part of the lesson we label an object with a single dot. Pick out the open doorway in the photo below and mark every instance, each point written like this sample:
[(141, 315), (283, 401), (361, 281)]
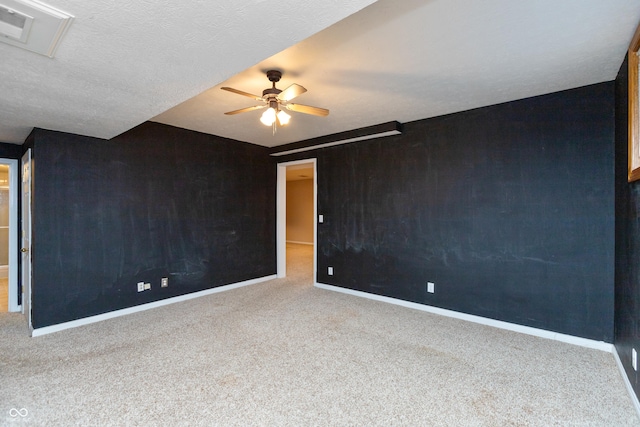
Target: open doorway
[(9, 300), (296, 211)]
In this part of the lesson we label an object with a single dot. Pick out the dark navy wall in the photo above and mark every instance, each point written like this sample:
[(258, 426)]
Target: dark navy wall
[(509, 209), (10, 151), (627, 289), (155, 202)]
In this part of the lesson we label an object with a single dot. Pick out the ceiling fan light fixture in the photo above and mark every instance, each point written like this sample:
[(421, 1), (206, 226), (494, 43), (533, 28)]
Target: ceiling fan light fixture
[(268, 117), (283, 118), (276, 99)]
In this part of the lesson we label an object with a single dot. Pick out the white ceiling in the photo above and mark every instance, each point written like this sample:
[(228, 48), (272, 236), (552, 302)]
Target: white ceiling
[(123, 63)]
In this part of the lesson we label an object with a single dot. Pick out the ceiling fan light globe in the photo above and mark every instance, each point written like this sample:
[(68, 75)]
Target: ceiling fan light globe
[(268, 117), (283, 117)]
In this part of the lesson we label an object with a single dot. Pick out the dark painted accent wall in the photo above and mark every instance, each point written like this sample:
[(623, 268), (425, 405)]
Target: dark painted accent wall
[(155, 202), (10, 151), (627, 288), (509, 209)]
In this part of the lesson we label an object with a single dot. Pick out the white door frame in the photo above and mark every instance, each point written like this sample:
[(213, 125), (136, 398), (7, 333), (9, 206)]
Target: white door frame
[(281, 216), (14, 188), (26, 183)]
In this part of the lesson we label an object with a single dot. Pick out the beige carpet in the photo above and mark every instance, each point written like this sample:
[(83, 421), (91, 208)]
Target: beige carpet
[(283, 353)]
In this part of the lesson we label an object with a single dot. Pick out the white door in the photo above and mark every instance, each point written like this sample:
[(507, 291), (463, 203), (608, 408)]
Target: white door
[(26, 236)]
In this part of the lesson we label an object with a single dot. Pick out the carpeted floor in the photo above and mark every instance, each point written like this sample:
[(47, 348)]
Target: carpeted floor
[(285, 353)]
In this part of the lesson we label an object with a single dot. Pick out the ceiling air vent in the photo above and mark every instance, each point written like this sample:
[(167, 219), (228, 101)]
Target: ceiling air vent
[(32, 25), (14, 25)]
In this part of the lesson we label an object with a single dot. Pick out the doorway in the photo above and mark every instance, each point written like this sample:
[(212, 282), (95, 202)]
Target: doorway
[(9, 300), (297, 171)]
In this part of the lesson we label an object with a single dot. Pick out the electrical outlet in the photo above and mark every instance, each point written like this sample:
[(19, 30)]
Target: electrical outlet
[(634, 359), (431, 287), (330, 271), (140, 286), (164, 282), (147, 286), (320, 219)]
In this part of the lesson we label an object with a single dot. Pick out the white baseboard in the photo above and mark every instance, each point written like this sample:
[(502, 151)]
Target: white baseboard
[(627, 383), (300, 243), (583, 342), (117, 313)]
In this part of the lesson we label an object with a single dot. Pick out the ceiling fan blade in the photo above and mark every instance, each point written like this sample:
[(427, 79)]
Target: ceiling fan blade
[(244, 110), (239, 92), (306, 109), (291, 92)]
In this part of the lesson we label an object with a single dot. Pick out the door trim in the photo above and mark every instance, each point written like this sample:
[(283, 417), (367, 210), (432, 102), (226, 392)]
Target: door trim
[(281, 216), (27, 218)]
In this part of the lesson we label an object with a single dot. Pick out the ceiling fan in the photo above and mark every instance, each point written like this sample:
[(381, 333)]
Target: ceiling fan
[(276, 99)]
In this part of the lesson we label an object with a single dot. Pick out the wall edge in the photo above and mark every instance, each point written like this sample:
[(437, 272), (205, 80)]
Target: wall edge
[(130, 310), (541, 333), (627, 383)]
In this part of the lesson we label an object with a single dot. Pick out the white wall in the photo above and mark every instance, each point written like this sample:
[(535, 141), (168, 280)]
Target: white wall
[(300, 211)]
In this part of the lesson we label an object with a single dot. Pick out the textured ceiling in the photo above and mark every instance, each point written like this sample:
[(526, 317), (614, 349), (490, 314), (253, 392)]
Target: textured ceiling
[(124, 63)]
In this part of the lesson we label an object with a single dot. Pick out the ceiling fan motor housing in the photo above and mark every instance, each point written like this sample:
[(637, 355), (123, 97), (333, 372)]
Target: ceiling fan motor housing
[(272, 92), (274, 76)]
